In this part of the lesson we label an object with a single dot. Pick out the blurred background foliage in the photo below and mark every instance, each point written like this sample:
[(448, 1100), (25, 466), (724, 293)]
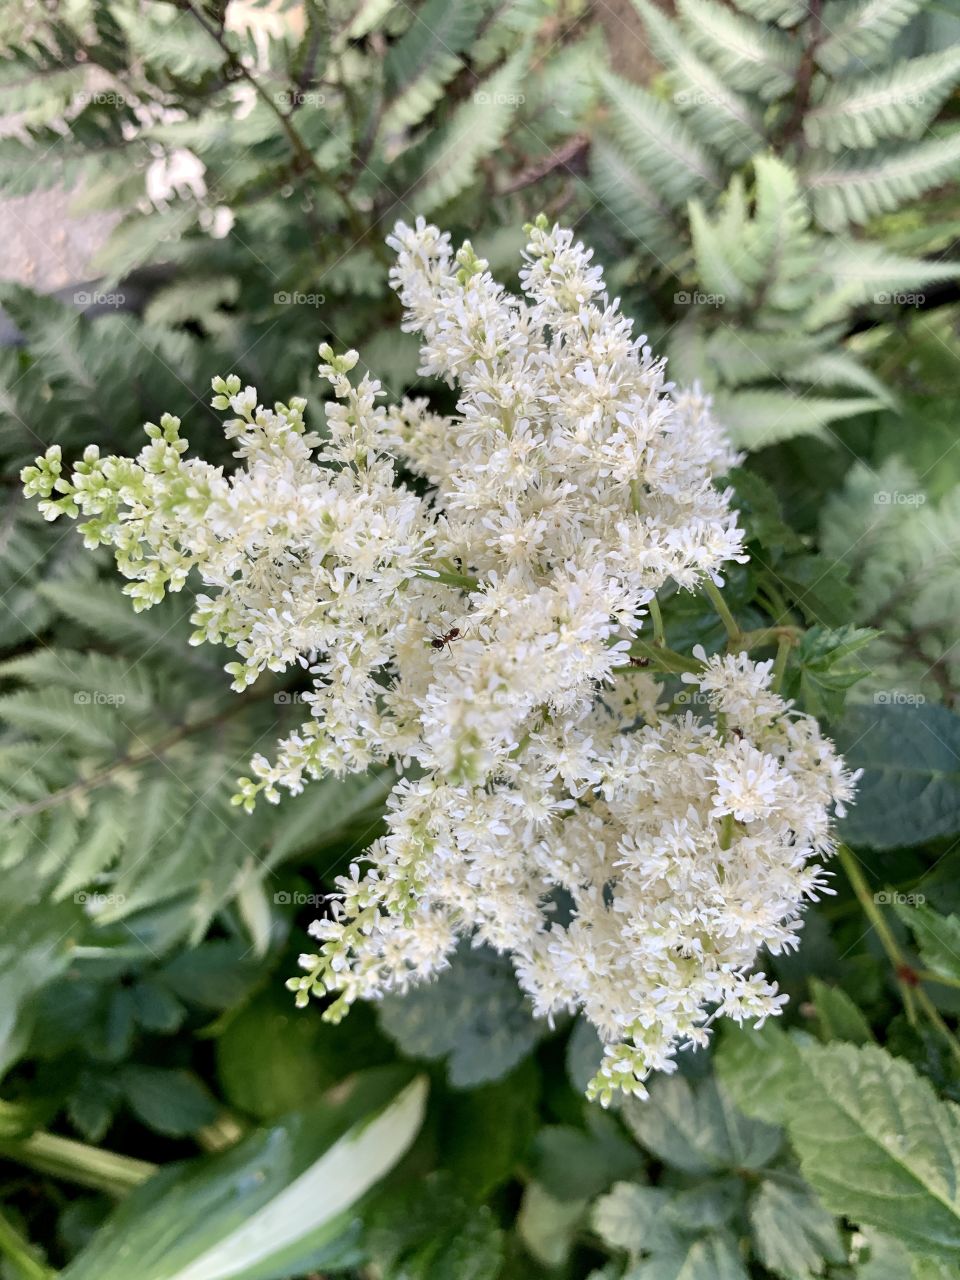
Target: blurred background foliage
[(770, 185)]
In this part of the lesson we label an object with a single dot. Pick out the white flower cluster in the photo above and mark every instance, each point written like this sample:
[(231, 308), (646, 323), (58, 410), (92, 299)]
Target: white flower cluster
[(631, 860)]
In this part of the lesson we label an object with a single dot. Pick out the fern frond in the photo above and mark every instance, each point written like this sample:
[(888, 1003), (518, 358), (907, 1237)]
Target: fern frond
[(475, 132), (747, 55), (836, 369), (856, 188), (896, 103), (862, 30), (634, 203), (657, 143), (724, 120), (757, 419), (426, 58), (785, 13)]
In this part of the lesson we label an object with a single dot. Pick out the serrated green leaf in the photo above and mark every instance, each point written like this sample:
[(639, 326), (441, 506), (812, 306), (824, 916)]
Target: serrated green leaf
[(910, 757), (698, 1129), (793, 1234), (937, 937)]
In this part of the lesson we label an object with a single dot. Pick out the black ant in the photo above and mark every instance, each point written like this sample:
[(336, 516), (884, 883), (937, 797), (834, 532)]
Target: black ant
[(737, 733), (639, 662), (446, 640)]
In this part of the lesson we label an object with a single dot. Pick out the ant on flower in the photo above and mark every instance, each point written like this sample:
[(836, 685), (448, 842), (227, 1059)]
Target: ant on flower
[(446, 640)]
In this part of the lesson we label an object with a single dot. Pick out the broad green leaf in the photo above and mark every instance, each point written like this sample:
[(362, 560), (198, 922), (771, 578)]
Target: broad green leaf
[(474, 1015), (825, 664), (573, 1164), (425, 1230), (878, 1146), (793, 1234), (280, 1203), (910, 789), (547, 1226), (712, 1257), (698, 1129), (937, 937), (172, 1102), (758, 1069), (633, 1218), (839, 1017)]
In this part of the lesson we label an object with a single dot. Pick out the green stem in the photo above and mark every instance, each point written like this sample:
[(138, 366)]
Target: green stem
[(87, 1166), (663, 659), (911, 993), (20, 1253), (784, 645), (656, 617), (930, 975), (726, 617)]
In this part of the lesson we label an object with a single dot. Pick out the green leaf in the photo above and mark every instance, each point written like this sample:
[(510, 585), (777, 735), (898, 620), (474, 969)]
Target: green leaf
[(475, 131), (747, 55), (658, 144), (172, 1102), (937, 937), (486, 1132), (426, 58), (573, 1164), (633, 1218), (856, 188), (910, 789), (824, 665), (839, 1017), (474, 1015), (280, 1203), (877, 1145), (698, 1129), (793, 1233), (862, 30), (548, 1226), (712, 1257), (757, 1069)]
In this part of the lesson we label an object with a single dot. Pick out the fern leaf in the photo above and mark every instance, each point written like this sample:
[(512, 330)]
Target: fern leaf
[(475, 132), (836, 369), (633, 201), (723, 119), (897, 103), (747, 55), (863, 31), (785, 13), (855, 189), (741, 356), (426, 58), (757, 419), (655, 141), (716, 258)]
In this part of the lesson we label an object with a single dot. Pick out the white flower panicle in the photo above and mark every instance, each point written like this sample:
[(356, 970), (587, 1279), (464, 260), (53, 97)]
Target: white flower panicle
[(633, 861)]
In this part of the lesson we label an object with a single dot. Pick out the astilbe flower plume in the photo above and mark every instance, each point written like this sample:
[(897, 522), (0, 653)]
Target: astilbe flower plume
[(475, 630)]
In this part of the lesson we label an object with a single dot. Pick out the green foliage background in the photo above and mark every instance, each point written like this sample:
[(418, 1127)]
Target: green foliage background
[(776, 205)]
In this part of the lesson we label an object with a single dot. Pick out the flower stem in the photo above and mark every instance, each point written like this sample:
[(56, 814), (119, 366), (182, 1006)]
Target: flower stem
[(729, 621), (784, 645), (87, 1166), (656, 617), (908, 979), (20, 1253)]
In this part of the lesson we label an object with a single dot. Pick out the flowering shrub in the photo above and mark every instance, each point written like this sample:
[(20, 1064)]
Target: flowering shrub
[(472, 596)]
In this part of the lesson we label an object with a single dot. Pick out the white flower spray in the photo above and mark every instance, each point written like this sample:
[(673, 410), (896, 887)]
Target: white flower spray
[(633, 862)]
